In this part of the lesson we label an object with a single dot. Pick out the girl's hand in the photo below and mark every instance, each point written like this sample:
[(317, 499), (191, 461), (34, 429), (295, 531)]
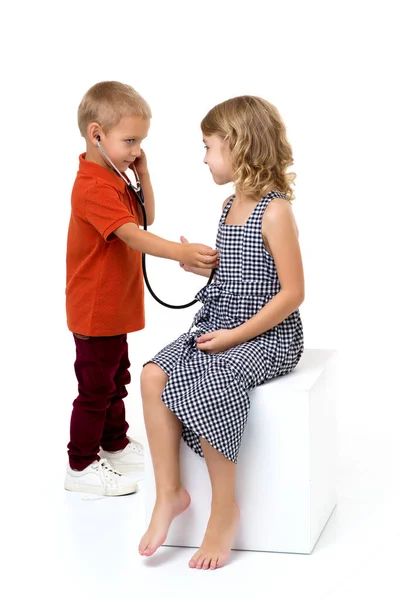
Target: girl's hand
[(216, 341), (140, 164)]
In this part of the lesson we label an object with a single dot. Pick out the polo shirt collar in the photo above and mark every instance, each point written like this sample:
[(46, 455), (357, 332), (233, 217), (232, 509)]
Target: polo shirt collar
[(92, 169)]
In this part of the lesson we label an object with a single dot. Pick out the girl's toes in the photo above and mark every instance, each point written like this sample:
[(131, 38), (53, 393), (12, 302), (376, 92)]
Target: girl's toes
[(200, 560), (213, 563), (206, 563), (193, 561), (142, 547)]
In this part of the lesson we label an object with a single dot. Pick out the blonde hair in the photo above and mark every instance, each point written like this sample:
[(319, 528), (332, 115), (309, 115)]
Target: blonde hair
[(107, 102), (257, 140)]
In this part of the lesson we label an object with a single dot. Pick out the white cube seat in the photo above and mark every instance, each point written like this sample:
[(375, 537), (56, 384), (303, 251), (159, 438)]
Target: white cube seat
[(286, 481)]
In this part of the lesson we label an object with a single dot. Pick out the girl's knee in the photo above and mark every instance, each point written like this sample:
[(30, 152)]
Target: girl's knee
[(152, 377)]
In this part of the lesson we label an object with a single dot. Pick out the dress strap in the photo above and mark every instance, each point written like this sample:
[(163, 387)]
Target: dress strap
[(262, 205), (225, 210)]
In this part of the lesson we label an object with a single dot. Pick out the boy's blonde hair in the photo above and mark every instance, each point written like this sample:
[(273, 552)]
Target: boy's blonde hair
[(107, 102), (256, 136)]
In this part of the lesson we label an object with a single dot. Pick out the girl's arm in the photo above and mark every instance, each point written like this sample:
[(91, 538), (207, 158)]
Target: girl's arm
[(281, 239)]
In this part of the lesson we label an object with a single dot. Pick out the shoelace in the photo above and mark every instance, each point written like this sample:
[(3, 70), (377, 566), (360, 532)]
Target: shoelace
[(107, 474)]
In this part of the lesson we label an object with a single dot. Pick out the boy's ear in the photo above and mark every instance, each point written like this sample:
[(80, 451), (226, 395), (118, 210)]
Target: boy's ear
[(94, 132)]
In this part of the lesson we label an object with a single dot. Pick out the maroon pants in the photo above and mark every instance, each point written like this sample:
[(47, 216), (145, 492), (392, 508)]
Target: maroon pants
[(98, 414)]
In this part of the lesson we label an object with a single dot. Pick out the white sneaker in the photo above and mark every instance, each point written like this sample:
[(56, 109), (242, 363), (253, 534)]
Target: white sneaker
[(129, 459), (99, 478)]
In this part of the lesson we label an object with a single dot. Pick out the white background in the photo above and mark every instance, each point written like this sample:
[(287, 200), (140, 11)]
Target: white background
[(331, 70)]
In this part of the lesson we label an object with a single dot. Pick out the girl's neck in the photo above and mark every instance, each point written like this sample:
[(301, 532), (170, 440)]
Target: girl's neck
[(240, 197)]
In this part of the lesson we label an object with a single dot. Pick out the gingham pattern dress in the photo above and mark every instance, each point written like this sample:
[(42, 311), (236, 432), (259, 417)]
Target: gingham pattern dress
[(209, 392)]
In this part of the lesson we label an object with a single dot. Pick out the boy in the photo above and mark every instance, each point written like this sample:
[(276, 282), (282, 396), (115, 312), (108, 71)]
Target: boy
[(104, 292)]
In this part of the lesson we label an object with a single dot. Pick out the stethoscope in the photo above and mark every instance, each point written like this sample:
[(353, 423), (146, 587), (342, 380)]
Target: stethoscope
[(137, 191)]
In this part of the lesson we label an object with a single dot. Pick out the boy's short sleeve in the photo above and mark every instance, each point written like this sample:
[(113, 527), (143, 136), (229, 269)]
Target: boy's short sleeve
[(105, 210)]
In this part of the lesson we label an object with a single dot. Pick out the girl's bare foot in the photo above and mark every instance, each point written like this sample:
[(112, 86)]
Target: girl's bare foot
[(167, 507), (216, 546)]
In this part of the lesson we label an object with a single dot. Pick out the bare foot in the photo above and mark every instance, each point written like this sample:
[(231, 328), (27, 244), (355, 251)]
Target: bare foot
[(165, 510), (216, 546)]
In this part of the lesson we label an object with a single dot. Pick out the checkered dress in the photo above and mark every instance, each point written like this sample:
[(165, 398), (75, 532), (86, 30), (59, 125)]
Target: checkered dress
[(209, 392)]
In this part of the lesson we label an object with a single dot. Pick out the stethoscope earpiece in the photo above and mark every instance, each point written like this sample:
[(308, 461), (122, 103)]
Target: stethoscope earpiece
[(136, 188)]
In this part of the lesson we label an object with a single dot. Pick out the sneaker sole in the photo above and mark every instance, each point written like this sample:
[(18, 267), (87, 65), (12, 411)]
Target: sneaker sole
[(98, 491)]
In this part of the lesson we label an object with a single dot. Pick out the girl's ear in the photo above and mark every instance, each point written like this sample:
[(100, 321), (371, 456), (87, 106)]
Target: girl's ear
[(226, 145)]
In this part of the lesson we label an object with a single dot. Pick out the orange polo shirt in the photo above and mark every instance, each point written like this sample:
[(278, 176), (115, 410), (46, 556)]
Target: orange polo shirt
[(104, 293)]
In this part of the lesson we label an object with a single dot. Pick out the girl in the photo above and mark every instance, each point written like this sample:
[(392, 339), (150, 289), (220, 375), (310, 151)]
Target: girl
[(248, 331)]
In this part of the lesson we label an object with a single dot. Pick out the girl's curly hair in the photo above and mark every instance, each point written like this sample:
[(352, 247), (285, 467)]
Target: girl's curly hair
[(256, 135)]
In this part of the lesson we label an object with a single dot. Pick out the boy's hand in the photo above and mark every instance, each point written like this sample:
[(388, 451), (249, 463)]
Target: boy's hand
[(181, 264), (198, 255), (140, 164), (216, 341), (204, 272)]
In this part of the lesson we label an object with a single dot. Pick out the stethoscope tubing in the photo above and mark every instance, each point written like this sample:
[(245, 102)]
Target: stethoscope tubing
[(137, 191)]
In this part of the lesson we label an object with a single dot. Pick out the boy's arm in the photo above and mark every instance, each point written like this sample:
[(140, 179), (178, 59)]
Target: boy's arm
[(196, 255), (202, 272), (148, 200), (140, 164)]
